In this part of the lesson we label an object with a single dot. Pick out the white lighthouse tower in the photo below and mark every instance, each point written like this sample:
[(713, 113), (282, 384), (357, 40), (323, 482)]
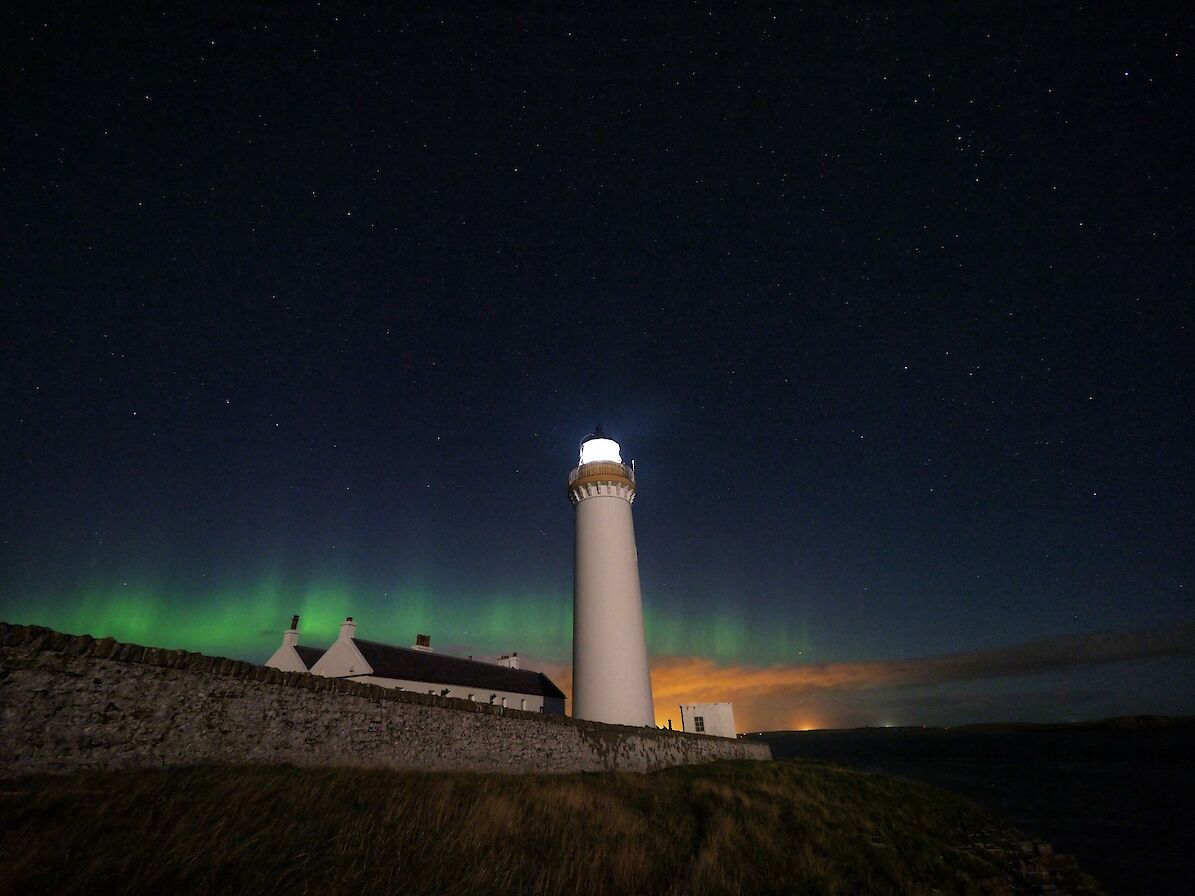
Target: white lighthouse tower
[(611, 682)]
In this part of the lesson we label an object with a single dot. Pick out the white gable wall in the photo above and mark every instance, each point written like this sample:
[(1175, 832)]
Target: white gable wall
[(717, 719), (287, 659), (343, 659)]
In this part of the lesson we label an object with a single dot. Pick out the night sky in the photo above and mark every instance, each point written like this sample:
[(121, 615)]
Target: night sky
[(306, 309)]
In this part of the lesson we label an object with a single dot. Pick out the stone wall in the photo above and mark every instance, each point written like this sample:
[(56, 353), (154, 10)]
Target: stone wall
[(73, 702)]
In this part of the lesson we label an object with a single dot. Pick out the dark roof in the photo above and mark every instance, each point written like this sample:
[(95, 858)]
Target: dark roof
[(436, 668), (309, 655)]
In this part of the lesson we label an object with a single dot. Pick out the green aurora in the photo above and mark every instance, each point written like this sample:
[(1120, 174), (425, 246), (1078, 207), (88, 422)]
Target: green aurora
[(246, 621)]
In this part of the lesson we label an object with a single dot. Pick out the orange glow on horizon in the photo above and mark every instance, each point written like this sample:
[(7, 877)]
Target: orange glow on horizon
[(765, 698), (807, 696)]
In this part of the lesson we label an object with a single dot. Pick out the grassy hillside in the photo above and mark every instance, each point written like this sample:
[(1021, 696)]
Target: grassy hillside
[(732, 827)]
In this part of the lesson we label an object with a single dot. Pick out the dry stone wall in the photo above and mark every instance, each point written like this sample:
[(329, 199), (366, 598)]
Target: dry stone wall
[(71, 702)]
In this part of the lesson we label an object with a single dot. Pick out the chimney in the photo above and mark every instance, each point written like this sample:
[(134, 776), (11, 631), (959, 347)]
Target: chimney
[(510, 661), (423, 642), (348, 629), (291, 637)]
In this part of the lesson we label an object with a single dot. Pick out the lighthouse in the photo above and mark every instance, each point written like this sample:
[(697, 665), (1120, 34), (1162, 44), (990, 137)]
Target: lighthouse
[(611, 681)]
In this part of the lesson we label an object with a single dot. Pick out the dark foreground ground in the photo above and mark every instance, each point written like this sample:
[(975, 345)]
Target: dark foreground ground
[(731, 827), (1121, 800)]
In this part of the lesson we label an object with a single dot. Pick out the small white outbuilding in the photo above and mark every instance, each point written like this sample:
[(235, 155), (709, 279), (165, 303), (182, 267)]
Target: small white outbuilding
[(715, 719)]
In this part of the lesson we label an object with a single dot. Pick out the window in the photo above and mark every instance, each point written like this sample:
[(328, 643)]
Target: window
[(504, 703), (523, 705), (699, 724), (470, 698)]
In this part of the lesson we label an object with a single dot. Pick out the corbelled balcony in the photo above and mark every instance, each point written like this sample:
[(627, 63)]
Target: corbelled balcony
[(601, 471)]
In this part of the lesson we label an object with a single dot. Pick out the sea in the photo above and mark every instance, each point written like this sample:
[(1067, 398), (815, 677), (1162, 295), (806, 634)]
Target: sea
[(1121, 801)]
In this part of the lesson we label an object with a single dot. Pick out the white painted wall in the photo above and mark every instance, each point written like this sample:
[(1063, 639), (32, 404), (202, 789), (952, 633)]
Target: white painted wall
[(611, 680), (514, 700), (343, 658), (717, 718), (286, 657)]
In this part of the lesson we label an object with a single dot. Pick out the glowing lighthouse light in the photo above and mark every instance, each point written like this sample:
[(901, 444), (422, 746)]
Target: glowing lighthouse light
[(599, 449)]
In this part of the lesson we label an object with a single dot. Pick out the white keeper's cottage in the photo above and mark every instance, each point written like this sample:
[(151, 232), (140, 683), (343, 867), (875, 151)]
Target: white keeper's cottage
[(420, 669)]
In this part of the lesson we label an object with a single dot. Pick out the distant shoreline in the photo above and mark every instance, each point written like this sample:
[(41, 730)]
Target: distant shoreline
[(1114, 723)]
